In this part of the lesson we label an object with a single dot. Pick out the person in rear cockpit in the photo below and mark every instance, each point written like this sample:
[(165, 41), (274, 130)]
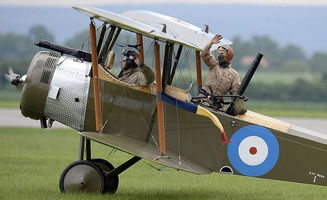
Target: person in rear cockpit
[(221, 78), (134, 71)]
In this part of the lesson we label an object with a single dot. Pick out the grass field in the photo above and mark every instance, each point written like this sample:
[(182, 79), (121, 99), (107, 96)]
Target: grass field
[(289, 109), (31, 161)]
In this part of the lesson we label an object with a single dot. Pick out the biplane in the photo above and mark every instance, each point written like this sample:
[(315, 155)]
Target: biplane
[(162, 122)]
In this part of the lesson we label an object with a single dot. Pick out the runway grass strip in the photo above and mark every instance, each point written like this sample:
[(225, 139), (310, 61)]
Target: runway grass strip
[(31, 162)]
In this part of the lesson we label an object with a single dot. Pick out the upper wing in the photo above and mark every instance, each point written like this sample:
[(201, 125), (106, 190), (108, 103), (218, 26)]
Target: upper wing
[(181, 30), (151, 24)]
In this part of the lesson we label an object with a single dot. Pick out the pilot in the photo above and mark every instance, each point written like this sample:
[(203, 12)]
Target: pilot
[(134, 71), (221, 78)]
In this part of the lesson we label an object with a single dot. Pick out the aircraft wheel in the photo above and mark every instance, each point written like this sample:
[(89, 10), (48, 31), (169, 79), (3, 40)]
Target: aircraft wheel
[(111, 184), (82, 176)]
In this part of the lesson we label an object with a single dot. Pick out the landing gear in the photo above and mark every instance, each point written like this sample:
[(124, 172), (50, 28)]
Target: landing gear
[(89, 176), (82, 176), (92, 175), (111, 182)]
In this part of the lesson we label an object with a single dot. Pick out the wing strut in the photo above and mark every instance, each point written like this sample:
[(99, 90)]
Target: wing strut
[(172, 74), (160, 106), (105, 46), (103, 31), (114, 39), (96, 85), (198, 69), (169, 48), (139, 39)]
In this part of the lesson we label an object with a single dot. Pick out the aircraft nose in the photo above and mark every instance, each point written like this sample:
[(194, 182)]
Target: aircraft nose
[(37, 83)]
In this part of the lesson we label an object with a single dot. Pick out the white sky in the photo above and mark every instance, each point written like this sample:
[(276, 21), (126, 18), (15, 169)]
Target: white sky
[(68, 3)]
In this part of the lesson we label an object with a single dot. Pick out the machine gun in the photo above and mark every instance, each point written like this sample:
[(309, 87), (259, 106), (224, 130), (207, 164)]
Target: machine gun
[(245, 82), (65, 50)]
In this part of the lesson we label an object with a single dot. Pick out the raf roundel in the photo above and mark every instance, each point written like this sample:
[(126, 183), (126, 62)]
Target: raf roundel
[(254, 150)]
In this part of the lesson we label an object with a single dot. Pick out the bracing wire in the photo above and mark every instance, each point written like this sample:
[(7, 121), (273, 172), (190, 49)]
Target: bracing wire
[(183, 67), (111, 153), (147, 52), (161, 168), (155, 142), (141, 115), (178, 137), (114, 106)]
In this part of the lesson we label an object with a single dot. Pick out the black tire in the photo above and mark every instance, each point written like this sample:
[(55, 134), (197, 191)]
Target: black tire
[(111, 184), (82, 176)]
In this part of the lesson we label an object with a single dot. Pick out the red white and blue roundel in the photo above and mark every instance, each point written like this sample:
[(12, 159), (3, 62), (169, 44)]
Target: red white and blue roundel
[(254, 150)]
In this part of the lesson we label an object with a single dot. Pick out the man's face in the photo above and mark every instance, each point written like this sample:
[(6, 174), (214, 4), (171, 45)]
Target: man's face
[(137, 61), (222, 50), (123, 62)]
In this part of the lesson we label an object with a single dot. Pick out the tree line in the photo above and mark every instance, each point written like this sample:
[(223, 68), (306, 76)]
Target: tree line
[(284, 59), (299, 90)]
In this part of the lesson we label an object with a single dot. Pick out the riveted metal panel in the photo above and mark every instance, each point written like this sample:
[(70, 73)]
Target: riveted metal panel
[(72, 79)]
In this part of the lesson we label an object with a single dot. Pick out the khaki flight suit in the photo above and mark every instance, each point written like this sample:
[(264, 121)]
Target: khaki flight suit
[(141, 75), (221, 80)]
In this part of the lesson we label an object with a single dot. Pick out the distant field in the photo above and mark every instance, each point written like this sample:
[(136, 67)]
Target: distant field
[(9, 104), (9, 98), (265, 76), (287, 78), (289, 109), (31, 161), (10, 94)]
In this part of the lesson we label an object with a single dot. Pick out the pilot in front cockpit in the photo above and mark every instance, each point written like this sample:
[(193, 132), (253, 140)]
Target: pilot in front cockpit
[(134, 71)]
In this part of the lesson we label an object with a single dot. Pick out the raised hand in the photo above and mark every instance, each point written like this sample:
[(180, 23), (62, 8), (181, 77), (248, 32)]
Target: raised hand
[(216, 39)]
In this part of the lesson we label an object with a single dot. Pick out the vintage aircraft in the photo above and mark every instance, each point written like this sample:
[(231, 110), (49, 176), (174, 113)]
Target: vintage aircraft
[(161, 122)]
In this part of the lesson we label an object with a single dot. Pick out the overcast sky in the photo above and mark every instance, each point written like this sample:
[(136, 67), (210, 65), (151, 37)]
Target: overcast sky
[(136, 2), (283, 20)]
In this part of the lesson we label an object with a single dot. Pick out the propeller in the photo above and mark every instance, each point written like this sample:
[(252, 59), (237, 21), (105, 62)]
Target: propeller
[(13, 78)]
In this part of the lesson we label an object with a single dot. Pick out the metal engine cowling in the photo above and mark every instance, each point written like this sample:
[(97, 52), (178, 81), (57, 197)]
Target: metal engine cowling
[(57, 88), (36, 86)]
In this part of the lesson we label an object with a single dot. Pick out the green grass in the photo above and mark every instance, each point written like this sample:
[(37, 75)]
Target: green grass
[(289, 109), (9, 104), (31, 161)]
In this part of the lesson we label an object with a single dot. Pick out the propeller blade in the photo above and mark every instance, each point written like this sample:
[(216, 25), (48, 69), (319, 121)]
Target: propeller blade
[(13, 78)]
